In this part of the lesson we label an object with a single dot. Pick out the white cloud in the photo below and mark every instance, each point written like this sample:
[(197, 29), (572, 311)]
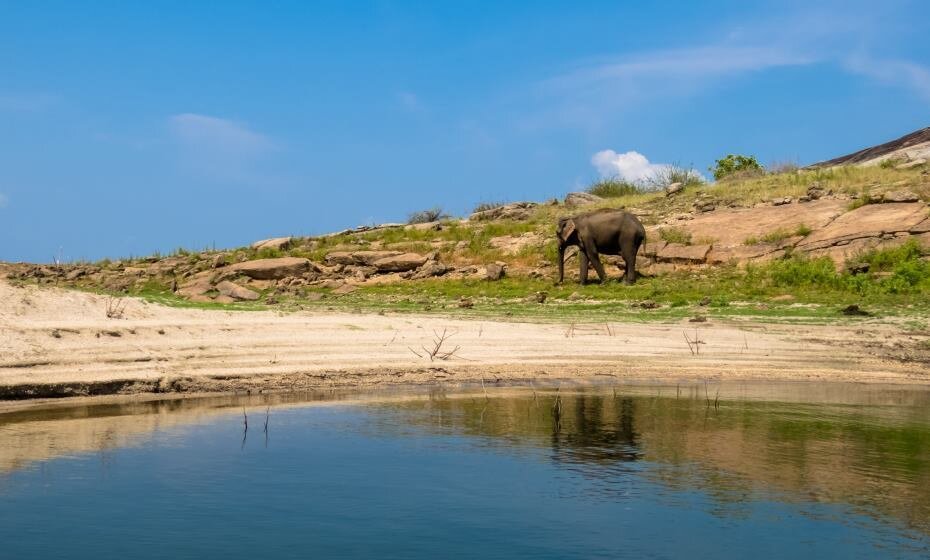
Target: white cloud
[(630, 166), (213, 133)]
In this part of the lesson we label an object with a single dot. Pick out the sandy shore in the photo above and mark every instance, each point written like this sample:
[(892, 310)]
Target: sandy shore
[(60, 343)]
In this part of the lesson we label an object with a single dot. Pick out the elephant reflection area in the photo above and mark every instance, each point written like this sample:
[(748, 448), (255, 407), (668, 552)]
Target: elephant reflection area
[(607, 232), (595, 430)]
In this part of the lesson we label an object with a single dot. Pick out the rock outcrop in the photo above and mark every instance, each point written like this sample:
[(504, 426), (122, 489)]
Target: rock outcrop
[(236, 292), (273, 269), (581, 199), (512, 211), (399, 263), (277, 243)]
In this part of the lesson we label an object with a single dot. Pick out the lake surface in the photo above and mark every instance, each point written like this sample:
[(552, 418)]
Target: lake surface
[(771, 471)]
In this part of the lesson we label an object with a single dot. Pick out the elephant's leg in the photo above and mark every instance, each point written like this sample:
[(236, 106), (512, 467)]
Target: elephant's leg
[(628, 252), (596, 261), (583, 271)]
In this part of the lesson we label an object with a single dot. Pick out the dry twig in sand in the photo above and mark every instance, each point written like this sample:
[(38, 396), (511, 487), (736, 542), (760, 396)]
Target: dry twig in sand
[(693, 345), (115, 308), (437, 353)]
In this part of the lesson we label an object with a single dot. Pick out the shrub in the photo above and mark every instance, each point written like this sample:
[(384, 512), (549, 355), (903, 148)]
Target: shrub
[(674, 173), (425, 216), (802, 230), (734, 164), (613, 187), (484, 206), (803, 271), (783, 167)]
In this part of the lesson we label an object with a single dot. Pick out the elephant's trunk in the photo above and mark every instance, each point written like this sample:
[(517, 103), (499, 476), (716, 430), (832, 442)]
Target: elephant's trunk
[(561, 262)]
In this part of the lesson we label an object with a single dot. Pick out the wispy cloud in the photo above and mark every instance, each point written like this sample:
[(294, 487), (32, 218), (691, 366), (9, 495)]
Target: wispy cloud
[(206, 132), (591, 93), (221, 148), (903, 73), (410, 101), (704, 62), (27, 102)]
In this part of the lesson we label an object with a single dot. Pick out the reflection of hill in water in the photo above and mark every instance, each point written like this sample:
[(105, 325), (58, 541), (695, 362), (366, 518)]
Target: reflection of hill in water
[(864, 456), (877, 457)]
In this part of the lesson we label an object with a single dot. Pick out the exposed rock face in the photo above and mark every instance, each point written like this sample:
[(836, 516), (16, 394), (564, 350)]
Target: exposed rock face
[(673, 189), (495, 271), (425, 226), (361, 258), (900, 196), (430, 270), (273, 269), (868, 221), (911, 164), (581, 199), (685, 254), (279, 243), (235, 291), (399, 263), (513, 244), (913, 146), (197, 287), (512, 211)]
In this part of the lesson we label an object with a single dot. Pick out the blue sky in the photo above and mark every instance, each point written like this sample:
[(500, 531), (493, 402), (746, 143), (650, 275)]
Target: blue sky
[(131, 127)]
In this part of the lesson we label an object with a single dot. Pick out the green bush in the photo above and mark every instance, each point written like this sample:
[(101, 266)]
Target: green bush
[(735, 164), (802, 271), (613, 187), (898, 270)]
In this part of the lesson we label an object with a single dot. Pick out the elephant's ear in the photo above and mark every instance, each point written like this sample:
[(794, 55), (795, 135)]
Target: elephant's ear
[(567, 230)]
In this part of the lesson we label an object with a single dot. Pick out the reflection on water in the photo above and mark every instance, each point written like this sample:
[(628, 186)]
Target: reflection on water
[(771, 470)]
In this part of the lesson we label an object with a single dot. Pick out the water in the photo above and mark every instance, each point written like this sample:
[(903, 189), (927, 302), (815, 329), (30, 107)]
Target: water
[(772, 471)]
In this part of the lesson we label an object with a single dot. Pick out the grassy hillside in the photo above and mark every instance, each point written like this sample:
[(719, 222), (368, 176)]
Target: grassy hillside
[(893, 280)]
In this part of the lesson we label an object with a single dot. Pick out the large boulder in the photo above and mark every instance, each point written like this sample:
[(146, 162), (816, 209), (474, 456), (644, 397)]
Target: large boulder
[(235, 291), (400, 263), (359, 258), (581, 199), (900, 196), (512, 211), (495, 271), (273, 269), (513, 244), (279, 243)]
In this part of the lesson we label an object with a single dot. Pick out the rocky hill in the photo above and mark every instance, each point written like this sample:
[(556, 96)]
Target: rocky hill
[(835, 209)]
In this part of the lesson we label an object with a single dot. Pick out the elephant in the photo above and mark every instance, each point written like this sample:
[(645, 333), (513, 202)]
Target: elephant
[(608, 231)]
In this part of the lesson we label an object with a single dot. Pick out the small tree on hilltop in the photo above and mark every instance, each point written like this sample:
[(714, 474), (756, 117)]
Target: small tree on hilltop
[(736, 164)]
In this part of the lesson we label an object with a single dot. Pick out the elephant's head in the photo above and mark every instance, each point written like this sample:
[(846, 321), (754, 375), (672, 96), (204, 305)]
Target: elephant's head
[(568, 235)]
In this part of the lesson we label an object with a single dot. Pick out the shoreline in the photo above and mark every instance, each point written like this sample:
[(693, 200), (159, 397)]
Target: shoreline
[(59, 343)]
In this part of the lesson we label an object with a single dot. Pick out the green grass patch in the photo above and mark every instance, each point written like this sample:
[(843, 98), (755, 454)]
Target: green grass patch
[(613, 187), (675, 235)]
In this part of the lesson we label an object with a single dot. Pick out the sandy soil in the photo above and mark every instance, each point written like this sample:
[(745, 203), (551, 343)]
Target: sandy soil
[(60, 343)]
